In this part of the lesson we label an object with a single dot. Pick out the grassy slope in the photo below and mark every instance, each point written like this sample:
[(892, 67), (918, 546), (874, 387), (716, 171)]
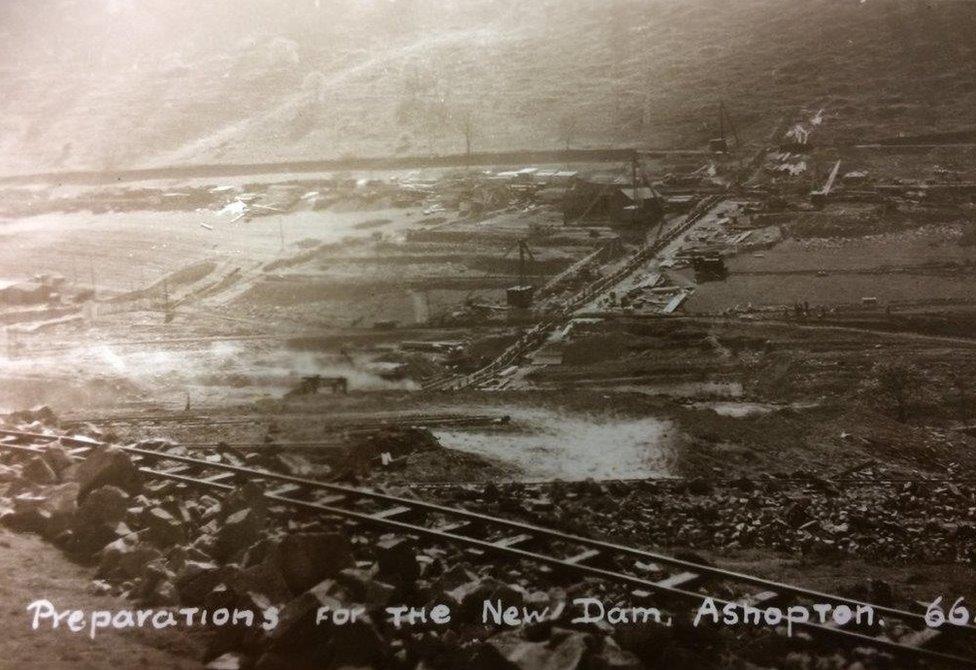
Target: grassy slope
[(208, 85)]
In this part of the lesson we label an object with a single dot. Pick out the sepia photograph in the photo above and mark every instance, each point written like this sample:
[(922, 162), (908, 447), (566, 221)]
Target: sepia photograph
[(487, 335)]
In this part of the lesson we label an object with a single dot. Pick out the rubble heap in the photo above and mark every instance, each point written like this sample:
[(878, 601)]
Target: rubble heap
[(162, 543), (874, 518)]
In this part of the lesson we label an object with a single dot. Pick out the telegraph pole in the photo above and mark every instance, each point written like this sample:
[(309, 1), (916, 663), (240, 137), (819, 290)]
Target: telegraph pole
[(633, 178), (91, 270)]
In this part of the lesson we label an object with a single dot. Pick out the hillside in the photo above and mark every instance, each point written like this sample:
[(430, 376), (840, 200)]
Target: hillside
[(124, 84)]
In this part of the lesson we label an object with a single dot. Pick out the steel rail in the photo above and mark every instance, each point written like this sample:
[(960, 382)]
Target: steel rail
[(336, 421), (540, 531), (384, 519)]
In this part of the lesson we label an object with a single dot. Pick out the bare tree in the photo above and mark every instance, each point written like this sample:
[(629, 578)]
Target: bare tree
[(465, 122), (434, 118), (567, 129), (421, 106)]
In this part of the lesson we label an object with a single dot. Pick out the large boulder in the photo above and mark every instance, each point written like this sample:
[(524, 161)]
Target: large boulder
[(49, 513), (59, 499), (108, 466), (456, 576), (26, 521), (104, 505), (397, 559), (9, 473), (124, 560), (355, 643), (41, 414), (58, 458), (308, 558), (153, 572), (297, 622), (95, 538), (612, 657), (62, 503), (99, 519), (359, 644), (397, 442), (196, 580), (228, 661), (238, 532), (38, 471), (249, 496), (565, 650), (264, 579), (163, 528), (163, 594), (363, 587)]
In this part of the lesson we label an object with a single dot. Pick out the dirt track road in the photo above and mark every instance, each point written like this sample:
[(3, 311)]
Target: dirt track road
[(901, 335)]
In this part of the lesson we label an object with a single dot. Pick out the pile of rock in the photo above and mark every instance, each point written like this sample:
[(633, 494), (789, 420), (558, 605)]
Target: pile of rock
[(382, 448), (874, 518), (162, 544)]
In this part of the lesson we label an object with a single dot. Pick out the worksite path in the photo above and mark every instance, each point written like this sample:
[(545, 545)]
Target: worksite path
[(681, 233), (710, 218), (509, 369), (876, 332)]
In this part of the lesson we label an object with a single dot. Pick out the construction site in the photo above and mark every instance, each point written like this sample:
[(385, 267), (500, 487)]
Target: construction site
[(735, 370)]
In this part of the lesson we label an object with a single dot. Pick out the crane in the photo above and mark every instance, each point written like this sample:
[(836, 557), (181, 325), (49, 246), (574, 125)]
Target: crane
[(521, 294), (720, 144), (647, 205), (819, 197)]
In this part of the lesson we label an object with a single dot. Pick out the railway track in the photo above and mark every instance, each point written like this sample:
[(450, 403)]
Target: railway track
[(676, 582), (352, 423)]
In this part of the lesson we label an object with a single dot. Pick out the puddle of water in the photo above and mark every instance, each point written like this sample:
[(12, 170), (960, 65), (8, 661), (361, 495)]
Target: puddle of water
[(574, 448), (743, 409), (736, 409)]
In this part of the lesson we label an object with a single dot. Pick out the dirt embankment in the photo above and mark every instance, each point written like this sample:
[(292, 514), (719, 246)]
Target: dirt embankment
[(32, 570)]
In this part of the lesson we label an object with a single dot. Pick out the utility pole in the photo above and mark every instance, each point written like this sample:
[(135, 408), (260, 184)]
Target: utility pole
[(91, 270), (633, 177), (521, 247), (723, 117), (467, 129), (168, 311), (721, 120), (524, 253)]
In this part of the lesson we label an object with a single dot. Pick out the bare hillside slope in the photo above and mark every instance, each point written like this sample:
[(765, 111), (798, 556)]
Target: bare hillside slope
[(120, 84)]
